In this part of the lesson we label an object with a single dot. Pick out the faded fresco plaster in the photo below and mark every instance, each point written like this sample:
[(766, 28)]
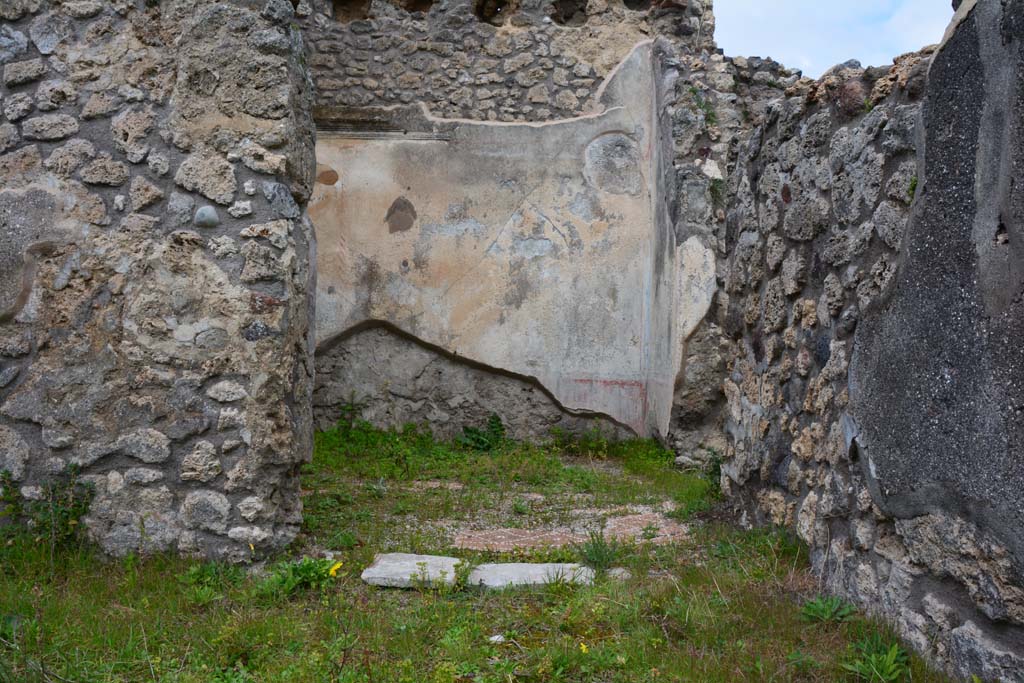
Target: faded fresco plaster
[(544, 250)]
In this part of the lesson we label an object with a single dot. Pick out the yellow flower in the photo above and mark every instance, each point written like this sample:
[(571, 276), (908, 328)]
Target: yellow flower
[(252, 548), (583, 648), (335, 567)]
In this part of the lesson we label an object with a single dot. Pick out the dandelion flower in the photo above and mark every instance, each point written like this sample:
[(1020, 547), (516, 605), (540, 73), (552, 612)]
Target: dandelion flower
[(583, 648), (335, 567)]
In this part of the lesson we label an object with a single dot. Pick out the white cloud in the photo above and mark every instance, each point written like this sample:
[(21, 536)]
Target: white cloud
[(813, 35)]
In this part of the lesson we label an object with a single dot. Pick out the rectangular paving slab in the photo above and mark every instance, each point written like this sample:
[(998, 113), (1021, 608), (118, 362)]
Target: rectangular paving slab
[(404, 570), (526, 574)]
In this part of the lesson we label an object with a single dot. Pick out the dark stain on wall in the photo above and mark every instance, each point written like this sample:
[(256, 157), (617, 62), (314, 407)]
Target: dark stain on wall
[(401, 215)]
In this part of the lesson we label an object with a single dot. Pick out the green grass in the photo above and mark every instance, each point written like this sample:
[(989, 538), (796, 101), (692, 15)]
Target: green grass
[(725, 605)]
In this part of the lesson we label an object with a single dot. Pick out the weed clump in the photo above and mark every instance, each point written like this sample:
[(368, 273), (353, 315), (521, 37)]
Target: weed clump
[(599, 552), (288, 578), (878, 661), (827, 609), (705, 107), (53, 518), (488, 438)]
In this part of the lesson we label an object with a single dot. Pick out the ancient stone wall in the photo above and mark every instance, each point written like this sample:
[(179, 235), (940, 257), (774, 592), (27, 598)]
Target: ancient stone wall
[(155, 300), (873, 403)]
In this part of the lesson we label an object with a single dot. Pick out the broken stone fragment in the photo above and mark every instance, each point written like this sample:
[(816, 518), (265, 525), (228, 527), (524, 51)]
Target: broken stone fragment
[(147, 445), (565, 99), (259, 159), (250, 508), (12, 10), (508, 575), (271, 41), (83, 9), (240, 209), (201, 464), (57, 438), (14, 453), (281, 200), (261, 263), (775, 249), (18, 107), (19, 73), (100, 104), (275, 232), (209, 174), (55, 94), (226, 391), (13, 43), (257, 330), (158, 163), (48, 31), (223, 247), (206, 510), (143, 193), (794, 272), (7, 375), (278, 11), (105, 171), (404, 570), (20, 166), (142, 476), (87, 453), (249, 535), (179, 208), (129, 130), (230, 418), (8, 137), (889, 223), (49, 127), (539, 94)]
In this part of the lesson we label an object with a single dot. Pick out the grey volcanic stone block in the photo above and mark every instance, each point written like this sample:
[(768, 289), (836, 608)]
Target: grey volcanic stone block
[(405, 570), (525, 574)]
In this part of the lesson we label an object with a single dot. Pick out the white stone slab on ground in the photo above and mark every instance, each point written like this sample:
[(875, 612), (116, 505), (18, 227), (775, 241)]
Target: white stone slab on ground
[(527, 574), (405, 570)]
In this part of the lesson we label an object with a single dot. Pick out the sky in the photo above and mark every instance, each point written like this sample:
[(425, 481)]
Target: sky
[(814, 35)]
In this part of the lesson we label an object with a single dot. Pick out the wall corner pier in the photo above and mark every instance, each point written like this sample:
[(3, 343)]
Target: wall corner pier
[(157, 267)]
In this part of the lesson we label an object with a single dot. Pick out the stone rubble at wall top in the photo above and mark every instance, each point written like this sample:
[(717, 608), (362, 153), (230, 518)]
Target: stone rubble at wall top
[(150, 334), (527, 69)]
